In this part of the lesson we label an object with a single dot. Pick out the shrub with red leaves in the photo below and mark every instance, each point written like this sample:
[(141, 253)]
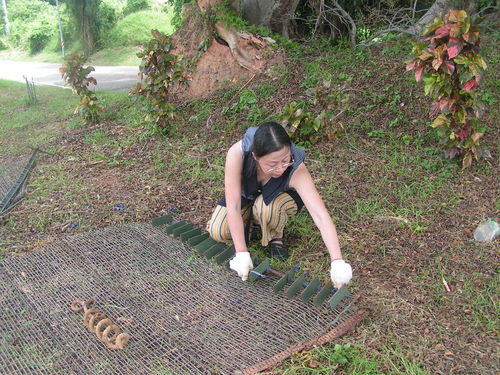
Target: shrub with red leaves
[(448, 61)]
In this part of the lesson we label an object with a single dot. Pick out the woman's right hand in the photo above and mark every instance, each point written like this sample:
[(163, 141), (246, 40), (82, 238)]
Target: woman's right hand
[(242, 264), (340, 273)]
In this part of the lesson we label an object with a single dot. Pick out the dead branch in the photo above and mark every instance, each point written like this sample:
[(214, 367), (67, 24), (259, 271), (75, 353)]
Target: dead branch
[(347, 19), (241, 88), (489, 20), (400, 20), (407, 20), (439, 6), (329, 14)]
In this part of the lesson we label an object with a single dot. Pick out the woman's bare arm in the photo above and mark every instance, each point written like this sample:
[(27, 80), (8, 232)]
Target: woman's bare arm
[(303, 183), (232, 185)]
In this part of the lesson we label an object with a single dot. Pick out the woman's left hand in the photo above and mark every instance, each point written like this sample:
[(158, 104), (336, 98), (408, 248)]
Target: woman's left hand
[(340, 273)]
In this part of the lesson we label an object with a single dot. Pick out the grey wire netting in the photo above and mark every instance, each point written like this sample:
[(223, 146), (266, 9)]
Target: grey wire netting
[(14, 171), (185, 314)]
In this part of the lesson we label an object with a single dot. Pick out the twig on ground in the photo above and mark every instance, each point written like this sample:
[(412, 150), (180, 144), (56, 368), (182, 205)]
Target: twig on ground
[(208, 120), (343, 213), (37, 149), (393, 218), (360, 151), (447, 287), (11, 207), (337, 115), (9, 242), (143, 147), (198, 202), (241, 88)]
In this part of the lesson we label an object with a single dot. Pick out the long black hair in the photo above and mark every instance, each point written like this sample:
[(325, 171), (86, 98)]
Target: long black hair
[(269, 137)]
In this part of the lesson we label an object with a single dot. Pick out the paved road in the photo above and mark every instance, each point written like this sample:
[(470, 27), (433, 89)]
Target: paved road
[(109, 78)]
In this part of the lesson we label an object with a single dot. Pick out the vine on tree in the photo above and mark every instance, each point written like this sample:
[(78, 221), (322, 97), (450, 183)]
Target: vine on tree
[(160, 73), (448, 61), (76, 76)]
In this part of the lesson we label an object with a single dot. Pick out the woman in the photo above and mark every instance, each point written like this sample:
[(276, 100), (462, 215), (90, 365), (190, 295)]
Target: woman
[(266, 181)]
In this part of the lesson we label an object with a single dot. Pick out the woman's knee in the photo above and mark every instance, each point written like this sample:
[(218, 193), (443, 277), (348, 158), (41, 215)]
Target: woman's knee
[(217, 226)]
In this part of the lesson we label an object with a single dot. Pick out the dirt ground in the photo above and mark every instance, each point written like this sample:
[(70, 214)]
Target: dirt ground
[(421, 285)]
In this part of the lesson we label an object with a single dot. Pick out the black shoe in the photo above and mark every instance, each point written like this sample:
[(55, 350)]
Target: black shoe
[(252, 233), (278, 249), (255, 233)]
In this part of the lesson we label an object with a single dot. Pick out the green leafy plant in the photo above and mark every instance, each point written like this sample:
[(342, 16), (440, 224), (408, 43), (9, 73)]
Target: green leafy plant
[(247, 99), (32, 22), (39, 36), (161, 74), (451, 67), (333, 102), (75, 75), (301, 125)]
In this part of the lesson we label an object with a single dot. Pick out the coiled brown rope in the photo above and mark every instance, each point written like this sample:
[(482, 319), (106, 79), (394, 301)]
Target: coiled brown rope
[(96, 322)]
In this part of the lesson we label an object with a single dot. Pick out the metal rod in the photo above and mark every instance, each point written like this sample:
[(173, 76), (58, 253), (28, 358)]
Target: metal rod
[(258, 274)]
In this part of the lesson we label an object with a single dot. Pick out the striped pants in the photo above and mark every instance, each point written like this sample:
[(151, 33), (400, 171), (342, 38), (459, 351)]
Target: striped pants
[(272, 218)]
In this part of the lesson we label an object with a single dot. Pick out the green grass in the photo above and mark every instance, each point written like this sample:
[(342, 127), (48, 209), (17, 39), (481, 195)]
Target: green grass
[(23, 126), (481, 290), (56, 179), (280, 73), (331, 66), (203, 171), (199, 111), (330, 359), (398, 363), (117, 56), (135, 29), (97, 137), (20, 55)]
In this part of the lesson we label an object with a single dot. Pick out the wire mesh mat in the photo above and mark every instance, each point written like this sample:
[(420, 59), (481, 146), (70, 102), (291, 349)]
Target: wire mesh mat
[(13, 174), (185, 315)]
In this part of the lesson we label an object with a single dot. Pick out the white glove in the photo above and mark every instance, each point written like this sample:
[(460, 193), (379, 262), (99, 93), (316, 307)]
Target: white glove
[(340, 272), (242, 264)]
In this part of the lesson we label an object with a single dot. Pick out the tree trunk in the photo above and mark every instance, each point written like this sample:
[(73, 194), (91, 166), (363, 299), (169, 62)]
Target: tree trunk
[(84, 11), (6, 27), (439, 6), (275, 14), (88, 37)]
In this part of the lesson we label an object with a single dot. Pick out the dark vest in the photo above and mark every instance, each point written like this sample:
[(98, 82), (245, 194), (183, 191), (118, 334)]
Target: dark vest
[(250, 188)]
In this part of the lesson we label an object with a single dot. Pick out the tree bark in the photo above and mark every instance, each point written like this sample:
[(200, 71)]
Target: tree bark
[(275, 14), (5, 19), (439, 6), (83, 12), (88, 37)]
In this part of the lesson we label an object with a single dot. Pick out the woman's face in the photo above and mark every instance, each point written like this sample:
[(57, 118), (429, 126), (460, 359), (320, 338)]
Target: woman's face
[(275, 163)]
